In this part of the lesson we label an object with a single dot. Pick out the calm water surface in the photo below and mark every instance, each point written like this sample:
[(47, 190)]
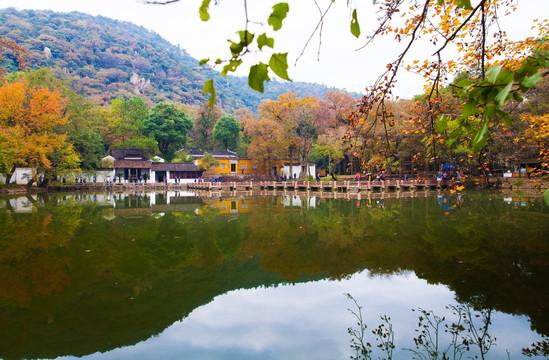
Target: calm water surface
[(181, 276)]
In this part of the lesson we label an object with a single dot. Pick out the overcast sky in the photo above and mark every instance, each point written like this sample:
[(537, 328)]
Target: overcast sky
[(340, 65)]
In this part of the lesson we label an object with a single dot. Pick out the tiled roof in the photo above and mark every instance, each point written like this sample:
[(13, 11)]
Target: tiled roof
[(174, 167), (121, 154), (214, 153), (132, 164)]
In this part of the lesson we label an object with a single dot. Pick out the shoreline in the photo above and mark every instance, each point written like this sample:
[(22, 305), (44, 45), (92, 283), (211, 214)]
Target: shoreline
[(534, 186)]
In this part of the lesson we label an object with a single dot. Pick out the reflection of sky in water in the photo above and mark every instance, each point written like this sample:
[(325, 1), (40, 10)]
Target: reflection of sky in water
[(309, 321)]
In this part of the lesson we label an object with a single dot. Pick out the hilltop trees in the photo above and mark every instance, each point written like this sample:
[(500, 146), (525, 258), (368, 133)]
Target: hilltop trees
[(169, 127)]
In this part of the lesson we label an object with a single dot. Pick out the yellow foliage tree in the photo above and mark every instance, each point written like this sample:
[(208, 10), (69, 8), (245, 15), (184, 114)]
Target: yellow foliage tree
[(538, 134), (31, 121)]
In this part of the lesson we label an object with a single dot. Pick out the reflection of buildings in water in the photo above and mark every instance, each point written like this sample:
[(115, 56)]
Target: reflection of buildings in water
[(155, 203), (230, 205), (101, 199), (22, 204), (299, 201)]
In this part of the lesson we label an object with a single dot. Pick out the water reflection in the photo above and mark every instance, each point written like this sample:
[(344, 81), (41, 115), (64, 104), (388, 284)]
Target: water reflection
[(88, 273)]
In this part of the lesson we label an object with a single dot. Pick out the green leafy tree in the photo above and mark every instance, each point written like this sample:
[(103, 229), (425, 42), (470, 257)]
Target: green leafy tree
[(89, 146), (169, 126), (126, 119), (182, 156), (203, 124), (328, 151), (226, 132)]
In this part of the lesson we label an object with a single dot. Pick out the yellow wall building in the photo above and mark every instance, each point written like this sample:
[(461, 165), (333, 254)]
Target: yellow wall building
[(228, 163)]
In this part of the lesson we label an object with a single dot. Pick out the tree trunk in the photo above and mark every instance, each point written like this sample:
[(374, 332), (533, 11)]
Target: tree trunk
[(10, 174)]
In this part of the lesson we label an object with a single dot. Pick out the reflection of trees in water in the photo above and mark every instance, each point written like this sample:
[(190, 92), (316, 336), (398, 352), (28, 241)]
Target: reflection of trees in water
[(466, 333), (131, 277)]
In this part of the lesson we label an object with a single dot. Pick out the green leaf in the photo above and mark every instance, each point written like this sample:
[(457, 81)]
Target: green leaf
[(236, 48), (503, 93), (531, 81), (257, 76), (464, 83), (492, 74), (454, 136), (231, 66), (246, 37), (490, 110), (355, 26), (209, 88), (468, 109), (441, 124), (441, 2), (546, 197), (504, 77), (203, 10), (279, 65), (464, 4), (203, 61), (479, 141), (279, 13), (264, 40)]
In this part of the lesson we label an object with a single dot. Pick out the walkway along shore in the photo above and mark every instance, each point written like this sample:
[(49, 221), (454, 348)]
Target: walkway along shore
[(518, 184), (328, 186)]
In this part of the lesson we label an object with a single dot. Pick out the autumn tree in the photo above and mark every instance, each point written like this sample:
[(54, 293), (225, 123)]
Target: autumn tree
[(86, 122), (169, 127), (268, 143), (226, 132), (30, 123), (340, 106), (535, 115), (298, 117)]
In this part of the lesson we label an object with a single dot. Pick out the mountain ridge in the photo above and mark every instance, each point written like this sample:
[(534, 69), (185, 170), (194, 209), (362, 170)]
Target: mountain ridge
[(104, 58)]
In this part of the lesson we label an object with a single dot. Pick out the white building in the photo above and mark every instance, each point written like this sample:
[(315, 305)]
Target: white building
[(21, 176), (298, 171)]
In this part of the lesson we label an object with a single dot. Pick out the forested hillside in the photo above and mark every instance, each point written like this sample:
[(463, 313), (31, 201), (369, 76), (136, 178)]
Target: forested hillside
[(105, 58)]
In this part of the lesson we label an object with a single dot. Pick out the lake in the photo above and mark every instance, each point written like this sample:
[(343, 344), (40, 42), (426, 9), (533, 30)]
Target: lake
[(176, 275)]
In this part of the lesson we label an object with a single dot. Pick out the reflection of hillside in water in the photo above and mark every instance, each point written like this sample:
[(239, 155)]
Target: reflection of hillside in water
[(81, 273)]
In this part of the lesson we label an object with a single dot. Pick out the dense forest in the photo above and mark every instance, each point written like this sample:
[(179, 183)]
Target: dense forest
[(104, 58)]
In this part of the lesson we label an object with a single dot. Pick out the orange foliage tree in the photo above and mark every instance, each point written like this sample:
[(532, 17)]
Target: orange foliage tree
[(30, 129), (268, 142), (299, 118)]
